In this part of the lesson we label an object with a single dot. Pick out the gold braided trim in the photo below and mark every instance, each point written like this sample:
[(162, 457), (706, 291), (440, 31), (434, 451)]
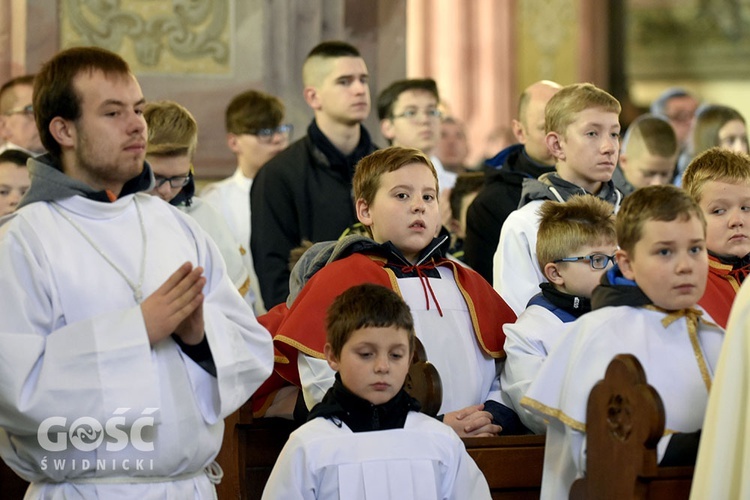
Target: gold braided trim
[(244, 288), (280, 359), (554, 413), (299, 346), (393, 280), (692, 316), (719, 265)]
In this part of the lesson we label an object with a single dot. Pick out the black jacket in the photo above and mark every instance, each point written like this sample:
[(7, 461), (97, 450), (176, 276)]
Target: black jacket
[(497, 199), (298, 195)]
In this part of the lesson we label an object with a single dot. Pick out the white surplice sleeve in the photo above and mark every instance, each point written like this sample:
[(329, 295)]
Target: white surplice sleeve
[(516, 273)]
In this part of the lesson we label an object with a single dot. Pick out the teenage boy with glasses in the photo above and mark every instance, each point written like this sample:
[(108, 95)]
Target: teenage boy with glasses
[(172, 140), (255, 134), (17, 125), (409, 116), (575, 244)]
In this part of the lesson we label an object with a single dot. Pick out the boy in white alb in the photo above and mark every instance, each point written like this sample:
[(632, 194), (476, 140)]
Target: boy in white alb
[(366, 439), (576, 244), (255, 134), (645, 306), (123, 342), (172, 140), (458, 317), (583, 134)]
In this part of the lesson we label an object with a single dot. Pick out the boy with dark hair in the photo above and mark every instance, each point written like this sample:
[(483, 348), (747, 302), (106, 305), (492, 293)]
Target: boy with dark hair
[(255, 134), (576, 245), (583, 134), (463, 193), (306, 193), (645, 306), (648, 154), (14, 179), (719, 180), (458, 316), (125, 326), (366, 438)]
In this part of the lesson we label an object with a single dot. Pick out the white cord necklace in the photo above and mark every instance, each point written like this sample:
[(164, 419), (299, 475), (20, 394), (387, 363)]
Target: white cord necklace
[(135, 287)]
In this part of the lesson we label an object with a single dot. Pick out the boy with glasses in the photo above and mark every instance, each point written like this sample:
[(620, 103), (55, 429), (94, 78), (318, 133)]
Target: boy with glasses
[(409, 116), (172, 140), (17, 125), (255, 134), (575, 245), (305, 192)]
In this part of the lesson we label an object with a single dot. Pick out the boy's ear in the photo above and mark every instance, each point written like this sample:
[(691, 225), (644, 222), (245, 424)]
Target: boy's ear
[(386, 128), (63, 131), (232, 142), (332, 361), (554, 144), (625, 262), (363, 212), (552, 273), (310, 94)]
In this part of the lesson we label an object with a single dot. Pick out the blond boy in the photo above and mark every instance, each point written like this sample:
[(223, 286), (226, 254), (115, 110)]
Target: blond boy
[(367, 439), (719, 180), (576, 245), (648, 155), (645, 306), (457, 315), (583, 134)]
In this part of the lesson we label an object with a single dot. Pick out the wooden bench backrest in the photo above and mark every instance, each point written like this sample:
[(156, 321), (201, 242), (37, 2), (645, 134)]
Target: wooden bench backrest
[(624, 422)]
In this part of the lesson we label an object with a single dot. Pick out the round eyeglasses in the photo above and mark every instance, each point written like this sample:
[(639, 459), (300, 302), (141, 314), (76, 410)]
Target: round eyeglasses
[(595, 260)]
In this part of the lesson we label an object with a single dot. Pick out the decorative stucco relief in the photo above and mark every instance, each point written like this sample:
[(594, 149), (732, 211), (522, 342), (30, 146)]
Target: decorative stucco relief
[(155, 36)]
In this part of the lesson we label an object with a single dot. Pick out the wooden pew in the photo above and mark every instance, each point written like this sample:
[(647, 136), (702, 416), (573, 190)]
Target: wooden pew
[(624, 421)]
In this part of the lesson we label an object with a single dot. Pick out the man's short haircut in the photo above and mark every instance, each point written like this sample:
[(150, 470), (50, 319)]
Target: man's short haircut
[(709, 119), (718, 165), (364, 306), (15, 156), (562, 108), (389, 95), (251, 111), (172, 130), (7, 96), (466, 183), (332, 49), (54, 94), (659, 105), (650, 134), (370, 169), (661, 203), (583, 220)]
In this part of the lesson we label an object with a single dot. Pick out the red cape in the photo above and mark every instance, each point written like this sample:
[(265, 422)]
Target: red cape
[(303, 327), (721, 289)]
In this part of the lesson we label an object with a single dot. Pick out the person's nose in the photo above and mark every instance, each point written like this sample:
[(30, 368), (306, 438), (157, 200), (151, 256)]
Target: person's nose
[(382, 364), (737, 218)]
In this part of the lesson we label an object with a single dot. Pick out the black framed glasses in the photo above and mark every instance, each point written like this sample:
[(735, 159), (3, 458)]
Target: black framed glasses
[(412, 114), (595, 260), (23, 110), (175, 182), (266, 135)]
